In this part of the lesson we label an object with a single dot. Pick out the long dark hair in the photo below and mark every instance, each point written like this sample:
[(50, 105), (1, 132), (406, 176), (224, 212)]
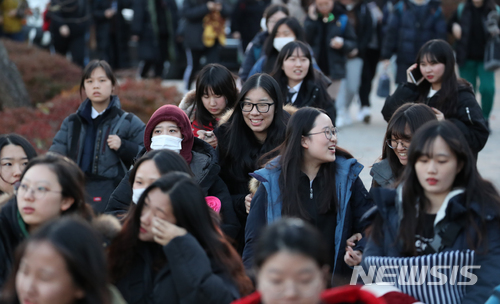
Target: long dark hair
[(291, 235), (440, 51), (292, 158), (71, 179), (82, 251), (477, 190), (219, 79), (268, 47), (191, 212), (273, 9), (284, 54), (91, 66), (243, 148), (411, 116), (165, 161)]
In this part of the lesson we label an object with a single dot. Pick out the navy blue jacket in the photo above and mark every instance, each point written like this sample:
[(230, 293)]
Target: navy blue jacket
[(406, 33), (488, 258), (252, 54), (353, 202)]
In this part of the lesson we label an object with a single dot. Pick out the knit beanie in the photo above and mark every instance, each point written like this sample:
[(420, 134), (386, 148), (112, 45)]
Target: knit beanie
[(175, 114)]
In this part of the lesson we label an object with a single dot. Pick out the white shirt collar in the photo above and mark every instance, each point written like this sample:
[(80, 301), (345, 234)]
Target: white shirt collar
[(442, 210), (296, 89), (94, 114)]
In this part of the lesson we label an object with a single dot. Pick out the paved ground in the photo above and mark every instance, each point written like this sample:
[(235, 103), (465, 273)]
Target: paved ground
[(365, 141)]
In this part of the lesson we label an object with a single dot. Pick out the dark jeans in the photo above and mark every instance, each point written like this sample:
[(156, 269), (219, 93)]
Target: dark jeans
[(75, 45), (370, 62)]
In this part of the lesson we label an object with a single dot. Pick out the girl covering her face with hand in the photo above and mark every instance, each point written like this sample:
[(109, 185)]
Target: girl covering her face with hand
[(171, 234)]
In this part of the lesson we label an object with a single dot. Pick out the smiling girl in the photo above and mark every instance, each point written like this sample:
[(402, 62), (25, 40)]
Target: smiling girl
[(315, 180), (100, 137), (298, 80), (443, 213), (438, 87)]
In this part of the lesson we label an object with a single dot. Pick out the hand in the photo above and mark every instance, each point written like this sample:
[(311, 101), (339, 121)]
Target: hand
[(456, 29), (64, 30), (353, 53), (109, 13), (12, 13), (114, 142), (164, 231), (248, 202), (211, 6), (236, 35), (409, 78), (354, 238), (352, 257), (134, 38), (208, 136), (439, 114), (386, 63), (312, 13), (337, 42)]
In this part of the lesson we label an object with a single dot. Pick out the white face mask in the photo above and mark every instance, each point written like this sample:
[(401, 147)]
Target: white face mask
[(280, 42), (136, 194), (263, 24), (349, 7), (168, 142)]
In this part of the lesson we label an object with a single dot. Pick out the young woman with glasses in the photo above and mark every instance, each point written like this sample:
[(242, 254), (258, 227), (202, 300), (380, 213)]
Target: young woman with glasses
[(256, 127), (403, 124), (314, 180), (51, 186)]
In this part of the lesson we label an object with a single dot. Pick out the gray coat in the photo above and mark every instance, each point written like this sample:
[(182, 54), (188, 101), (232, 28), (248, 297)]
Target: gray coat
[(105, 162)]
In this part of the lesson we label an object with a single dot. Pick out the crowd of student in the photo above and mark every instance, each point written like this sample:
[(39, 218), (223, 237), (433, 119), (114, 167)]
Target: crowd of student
[(244, 196)]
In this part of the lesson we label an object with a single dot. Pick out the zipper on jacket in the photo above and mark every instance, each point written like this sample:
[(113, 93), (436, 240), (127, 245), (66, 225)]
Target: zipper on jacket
[(311, 189), (468, 114)]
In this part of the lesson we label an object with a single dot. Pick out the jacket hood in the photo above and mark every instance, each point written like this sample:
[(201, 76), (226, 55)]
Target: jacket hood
[(175, 114), (188, 102), (107, 226)]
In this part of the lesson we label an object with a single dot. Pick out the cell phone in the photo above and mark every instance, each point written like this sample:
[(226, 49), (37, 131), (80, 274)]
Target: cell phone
[(209, 134), (416, 75)]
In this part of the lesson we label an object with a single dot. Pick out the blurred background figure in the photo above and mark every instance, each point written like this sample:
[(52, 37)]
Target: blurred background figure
[(245, 20), (154, 26), (112, 31)]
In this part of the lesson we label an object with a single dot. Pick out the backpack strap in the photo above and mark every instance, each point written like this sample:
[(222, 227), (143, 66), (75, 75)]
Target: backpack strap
[(75, 137), (343, 22), (460, 10)]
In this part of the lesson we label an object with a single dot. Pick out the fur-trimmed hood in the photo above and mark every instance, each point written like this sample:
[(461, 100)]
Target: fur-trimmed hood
[(188, 102), (107, 226)]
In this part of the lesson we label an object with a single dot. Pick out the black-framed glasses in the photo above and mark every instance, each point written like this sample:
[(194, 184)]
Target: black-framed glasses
[(328, 131), (38, 192), (393, 143), (261, 107)]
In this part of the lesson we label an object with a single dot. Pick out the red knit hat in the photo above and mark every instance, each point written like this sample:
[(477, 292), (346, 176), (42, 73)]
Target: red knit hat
[(175, 114)]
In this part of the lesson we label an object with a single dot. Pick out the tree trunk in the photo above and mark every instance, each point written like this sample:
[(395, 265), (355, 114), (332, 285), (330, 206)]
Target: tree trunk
[(13, 92)]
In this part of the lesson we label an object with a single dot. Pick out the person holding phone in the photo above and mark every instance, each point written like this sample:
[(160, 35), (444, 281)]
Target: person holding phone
[(432, 80)]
